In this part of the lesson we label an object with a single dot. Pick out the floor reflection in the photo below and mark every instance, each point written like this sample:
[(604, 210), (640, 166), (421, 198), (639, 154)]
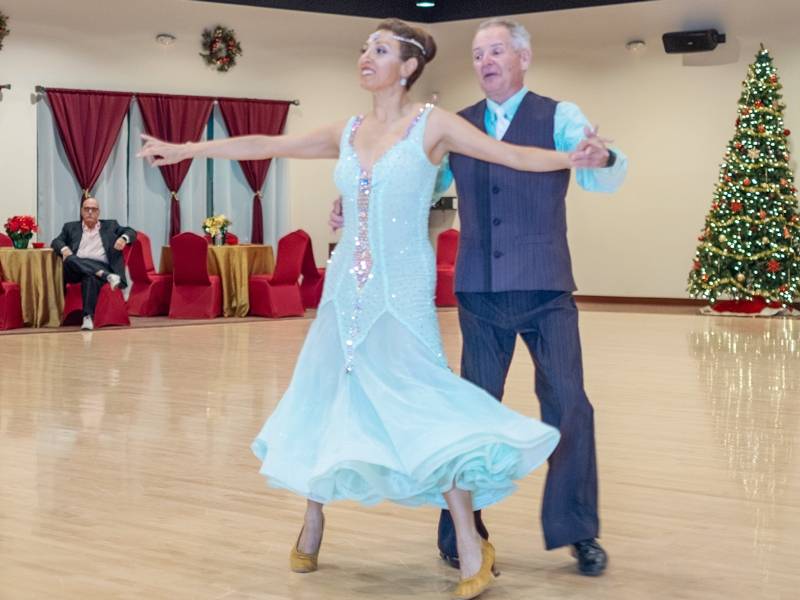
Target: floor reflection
[(751, 375)]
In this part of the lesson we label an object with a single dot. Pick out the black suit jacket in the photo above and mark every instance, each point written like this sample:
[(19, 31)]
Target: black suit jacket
[(110, 231)]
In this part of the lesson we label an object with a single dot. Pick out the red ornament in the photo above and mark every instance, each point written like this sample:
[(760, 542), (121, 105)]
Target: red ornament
[(786, 233), (783, 182), (736, 206), (762, 128), (697, 265), (773, 266), (783, 288), (738, 145), (746, 181), (773, 78), (728, 178), (704, 277), (714, 206), (759, 104), (787, 132), (762, 213), (738, 122)]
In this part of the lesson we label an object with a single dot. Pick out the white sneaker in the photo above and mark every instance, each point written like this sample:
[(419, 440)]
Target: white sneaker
[(113, 280), (88, 324)]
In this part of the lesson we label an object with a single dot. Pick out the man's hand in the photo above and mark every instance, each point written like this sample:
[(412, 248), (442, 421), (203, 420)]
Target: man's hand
[(65, 253), (120, 243), (591, 152), (336, 219)]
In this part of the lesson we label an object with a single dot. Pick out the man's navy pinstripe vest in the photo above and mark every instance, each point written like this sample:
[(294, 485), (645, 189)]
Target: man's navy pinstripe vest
[(513, 223)]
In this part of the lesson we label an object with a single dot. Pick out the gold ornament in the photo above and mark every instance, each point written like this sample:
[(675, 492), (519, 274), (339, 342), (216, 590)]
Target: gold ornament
[(722, 238), (740, 277), (754, 153), (765, 240)]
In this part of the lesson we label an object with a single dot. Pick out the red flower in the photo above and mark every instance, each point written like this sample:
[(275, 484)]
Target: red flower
[(736, 206), (21, 226), (773, 266)]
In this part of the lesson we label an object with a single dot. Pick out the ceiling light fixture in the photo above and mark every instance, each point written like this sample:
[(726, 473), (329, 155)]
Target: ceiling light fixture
[(426, 4), (636, 46), (165, 39)]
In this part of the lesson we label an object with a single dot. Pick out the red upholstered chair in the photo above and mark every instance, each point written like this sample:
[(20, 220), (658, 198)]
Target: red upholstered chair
[(278, 295), (5, 241), (195, 293), (110, 309), (313, 279), (150, 291), (446, 251), (10, 304)]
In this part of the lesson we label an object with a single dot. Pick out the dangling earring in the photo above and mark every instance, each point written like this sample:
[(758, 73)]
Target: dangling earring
[(403, 81)]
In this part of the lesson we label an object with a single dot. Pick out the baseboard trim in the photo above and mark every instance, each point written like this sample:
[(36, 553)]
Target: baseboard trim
[(649, 301), (640, 300)]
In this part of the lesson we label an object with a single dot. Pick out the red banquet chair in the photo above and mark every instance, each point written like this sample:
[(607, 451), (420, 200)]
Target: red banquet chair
[(195, 293), (110, 309), (5, 241), (10, 304), (278, 295), (313, 278), (446, 251), (150, 291)]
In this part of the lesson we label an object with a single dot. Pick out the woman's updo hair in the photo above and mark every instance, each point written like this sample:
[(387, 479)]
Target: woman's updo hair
[(409, 50)]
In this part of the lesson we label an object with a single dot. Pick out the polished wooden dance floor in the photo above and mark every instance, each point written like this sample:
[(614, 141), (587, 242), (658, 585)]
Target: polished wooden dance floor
[(125, 470)]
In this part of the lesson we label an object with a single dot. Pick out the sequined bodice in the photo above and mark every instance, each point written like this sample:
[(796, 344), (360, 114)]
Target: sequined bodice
[(384, 262)]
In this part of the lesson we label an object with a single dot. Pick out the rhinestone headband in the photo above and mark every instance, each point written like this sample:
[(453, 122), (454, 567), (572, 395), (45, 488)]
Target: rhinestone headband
[(405, 40), (411, 41)]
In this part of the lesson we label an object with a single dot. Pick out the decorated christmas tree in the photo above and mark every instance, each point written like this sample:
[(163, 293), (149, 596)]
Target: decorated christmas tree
[(750, 245)]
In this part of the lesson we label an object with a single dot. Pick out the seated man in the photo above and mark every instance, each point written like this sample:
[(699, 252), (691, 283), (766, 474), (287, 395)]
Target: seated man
[(92, 254)]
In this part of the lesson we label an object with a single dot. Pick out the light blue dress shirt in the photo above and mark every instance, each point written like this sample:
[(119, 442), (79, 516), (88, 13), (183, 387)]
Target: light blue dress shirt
[(568, 131)]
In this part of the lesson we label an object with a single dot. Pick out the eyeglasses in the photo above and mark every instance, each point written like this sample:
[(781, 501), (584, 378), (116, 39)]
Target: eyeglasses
[(90, 209)]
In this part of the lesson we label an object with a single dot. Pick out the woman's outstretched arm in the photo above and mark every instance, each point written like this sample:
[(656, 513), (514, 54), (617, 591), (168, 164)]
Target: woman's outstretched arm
[(448, 132), (322, 143)]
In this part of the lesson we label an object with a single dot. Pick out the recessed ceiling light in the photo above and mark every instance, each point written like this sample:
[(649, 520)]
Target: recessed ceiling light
[(165, 39), (636, 46), (426, 4)]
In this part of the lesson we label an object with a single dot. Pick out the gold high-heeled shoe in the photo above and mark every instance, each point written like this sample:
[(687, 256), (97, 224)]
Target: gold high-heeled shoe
[(474, 586), (300, 562)]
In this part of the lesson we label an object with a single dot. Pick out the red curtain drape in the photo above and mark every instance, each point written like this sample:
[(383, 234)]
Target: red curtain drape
[(175, 119), (254, 117), (89, 123)]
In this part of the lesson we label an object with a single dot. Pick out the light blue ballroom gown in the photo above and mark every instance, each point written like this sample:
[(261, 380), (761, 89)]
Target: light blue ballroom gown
[(373, 412)]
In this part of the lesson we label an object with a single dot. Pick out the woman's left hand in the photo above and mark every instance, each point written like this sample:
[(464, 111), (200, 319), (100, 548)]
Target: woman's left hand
[(159, 153)]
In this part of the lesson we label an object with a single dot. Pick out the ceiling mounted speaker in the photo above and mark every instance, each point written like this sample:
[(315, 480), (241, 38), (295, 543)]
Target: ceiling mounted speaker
[(681, 42)]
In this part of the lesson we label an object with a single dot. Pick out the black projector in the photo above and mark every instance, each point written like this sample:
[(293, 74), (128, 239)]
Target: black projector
[(682, 42)]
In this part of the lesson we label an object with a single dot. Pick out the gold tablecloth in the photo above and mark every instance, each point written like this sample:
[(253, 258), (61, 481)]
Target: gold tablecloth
[(39, 274), (234, 265)]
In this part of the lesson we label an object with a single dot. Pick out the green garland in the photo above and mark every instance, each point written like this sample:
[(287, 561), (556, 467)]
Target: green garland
[(220, 48), (4, 30)]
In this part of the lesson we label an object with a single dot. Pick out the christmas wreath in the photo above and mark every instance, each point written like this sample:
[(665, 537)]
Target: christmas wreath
[(4, 30), (220, 48)]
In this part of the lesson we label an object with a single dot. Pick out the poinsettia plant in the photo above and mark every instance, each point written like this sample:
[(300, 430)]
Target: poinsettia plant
[(20, 229)]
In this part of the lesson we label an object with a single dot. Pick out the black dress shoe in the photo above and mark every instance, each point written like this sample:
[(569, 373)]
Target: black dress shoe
[(592, 559), (450, 560)]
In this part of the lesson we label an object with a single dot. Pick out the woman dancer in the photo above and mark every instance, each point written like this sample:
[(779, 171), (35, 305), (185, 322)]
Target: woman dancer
[(372, 412)]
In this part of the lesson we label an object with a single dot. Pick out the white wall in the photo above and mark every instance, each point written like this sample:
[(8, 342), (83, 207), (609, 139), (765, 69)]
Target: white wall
[(109, 45), (672, 120)]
